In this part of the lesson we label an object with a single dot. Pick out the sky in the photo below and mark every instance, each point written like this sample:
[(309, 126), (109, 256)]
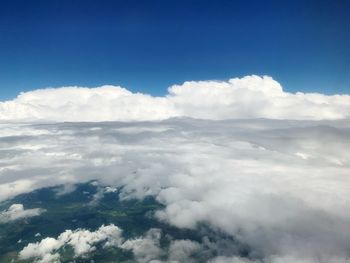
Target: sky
[(147, 46), (226, 112)]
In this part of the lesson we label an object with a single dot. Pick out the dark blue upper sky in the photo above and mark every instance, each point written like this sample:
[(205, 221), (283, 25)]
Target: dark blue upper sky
[(148, 45)]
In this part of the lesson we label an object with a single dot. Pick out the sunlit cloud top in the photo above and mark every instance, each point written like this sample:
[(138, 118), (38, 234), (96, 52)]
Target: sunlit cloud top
[(237, 98)]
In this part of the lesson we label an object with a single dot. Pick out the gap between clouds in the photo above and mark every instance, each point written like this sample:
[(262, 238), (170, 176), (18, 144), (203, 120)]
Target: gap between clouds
[(246, 97)]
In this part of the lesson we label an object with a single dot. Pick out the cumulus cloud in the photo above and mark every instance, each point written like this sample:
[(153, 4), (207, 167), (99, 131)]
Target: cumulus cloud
[(81, 240), (17, 211), (247, 97), (278, 187), (145, 248), (183, 250)]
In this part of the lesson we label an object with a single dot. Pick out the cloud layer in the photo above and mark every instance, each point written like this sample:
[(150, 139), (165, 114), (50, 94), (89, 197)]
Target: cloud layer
[(247, 97), (280, 187), (276, 179)]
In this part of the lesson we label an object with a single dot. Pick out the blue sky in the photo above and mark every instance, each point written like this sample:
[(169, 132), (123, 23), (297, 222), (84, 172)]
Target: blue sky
[(148, 45)]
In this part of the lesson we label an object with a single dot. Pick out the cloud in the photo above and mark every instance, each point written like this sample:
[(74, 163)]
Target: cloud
[(183, 251), (82, 241), (237, 98), (104, 103), (145, 248), (17, 211), (278, 187), (222, 259)]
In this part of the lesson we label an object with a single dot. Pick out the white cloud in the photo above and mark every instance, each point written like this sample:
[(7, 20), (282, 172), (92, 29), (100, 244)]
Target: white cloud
[(82, 241), (17, 211), (182, 250), (85, 104), (247, 97), (243, 178), (145, 248)]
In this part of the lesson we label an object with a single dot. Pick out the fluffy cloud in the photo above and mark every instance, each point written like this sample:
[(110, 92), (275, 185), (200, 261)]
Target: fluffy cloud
[(247, 97), (82, 241), (281, 188), (145, 248), (17, 211), (181, 250)]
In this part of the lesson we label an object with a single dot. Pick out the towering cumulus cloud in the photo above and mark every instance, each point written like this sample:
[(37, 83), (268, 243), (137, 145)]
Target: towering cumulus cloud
[(247, 97), (279, 186)]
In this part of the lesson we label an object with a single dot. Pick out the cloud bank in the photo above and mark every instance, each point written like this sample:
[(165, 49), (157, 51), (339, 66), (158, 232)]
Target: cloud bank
[(280, 187), (247, 97)]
